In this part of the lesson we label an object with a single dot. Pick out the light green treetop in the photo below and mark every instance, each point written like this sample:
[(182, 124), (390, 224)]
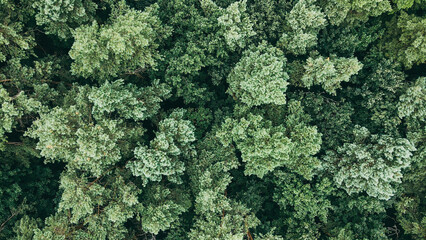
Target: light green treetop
[(60, 17), (127, 44), (304, 22), (172, 142), (235, 26), (329, 72), (265, 147), (372, 163), (90, 210), (413, 101), (259, 77), (84, 133)]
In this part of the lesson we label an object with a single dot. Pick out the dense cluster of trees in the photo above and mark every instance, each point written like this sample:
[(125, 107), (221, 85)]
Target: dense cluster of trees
[(212, 119)]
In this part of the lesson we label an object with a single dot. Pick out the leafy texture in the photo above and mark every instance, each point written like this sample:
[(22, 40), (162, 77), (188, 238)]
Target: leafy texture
[(61, 17), (259, 77), (410, 44), (329, 72), (304, 21), (370, 163), (212, 119), (265, 147), (128, 44), (172, 141), (355, 10)]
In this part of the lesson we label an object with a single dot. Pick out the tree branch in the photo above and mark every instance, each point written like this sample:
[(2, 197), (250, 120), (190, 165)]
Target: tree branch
[(98, 178), (7, 220), (15, 143)]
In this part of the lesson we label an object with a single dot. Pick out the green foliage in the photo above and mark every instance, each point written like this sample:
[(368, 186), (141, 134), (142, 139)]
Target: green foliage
[(413, 102), (330, 116), (234, 26), (412, 216), (382, 83), (410, 207), (81, 200), (366, 221), (265, 147), (329, 72), (217, 216), (405, 4), (89, 210), (268, 16), (85, 134), (15, 39), (301, 204), (27, 188), (24, 229), (128, 44), (233, 225), (161, 208), (12, 109), (212, 119), (370, 163), (354, 10), (406, 41), (201, 118), (206, 37), (272, 147), (269, 236), (12, 43), (348, 39), (304, 22), (129, 102), (173, 141), (259, 77), (61, 17)]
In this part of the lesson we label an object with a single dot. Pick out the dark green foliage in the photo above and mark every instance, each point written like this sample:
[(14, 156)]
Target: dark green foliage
[(347, 39), (16, 40), (302, 204), (357, 217), (406, 41), (212, 119), (27, 188), (380, 85), (350, 11)]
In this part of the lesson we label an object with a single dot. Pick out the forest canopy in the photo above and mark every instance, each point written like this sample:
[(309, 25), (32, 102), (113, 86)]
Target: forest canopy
[(213, 119)]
